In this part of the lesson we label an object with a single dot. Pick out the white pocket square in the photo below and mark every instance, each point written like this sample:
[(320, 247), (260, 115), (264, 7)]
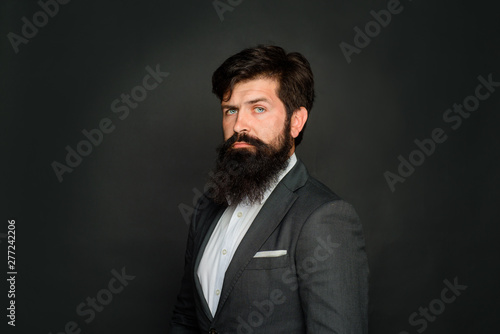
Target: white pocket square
[(273, 253)]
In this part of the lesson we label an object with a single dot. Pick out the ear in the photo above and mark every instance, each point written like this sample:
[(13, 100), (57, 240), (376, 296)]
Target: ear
[(299, 119)]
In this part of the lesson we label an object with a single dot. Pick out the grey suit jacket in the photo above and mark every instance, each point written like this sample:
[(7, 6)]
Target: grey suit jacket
[(319, 286)]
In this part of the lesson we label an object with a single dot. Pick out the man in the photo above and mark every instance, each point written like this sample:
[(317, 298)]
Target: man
[(270, 249)]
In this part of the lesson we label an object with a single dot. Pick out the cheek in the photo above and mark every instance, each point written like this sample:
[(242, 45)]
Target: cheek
[(270, 134)]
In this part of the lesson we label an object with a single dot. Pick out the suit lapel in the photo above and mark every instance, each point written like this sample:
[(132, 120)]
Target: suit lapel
[(269, 217)]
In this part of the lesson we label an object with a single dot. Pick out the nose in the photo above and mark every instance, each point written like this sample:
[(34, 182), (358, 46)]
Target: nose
[(242, 122)]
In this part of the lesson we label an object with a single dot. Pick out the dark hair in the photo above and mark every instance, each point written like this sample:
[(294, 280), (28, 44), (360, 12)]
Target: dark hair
[(292, 71)]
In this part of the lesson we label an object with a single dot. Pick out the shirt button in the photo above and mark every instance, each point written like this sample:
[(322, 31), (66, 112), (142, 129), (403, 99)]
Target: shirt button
[(239, 214), (217, 292), (224, 252)]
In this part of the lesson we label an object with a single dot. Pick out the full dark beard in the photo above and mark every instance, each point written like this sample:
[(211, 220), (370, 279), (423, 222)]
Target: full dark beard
[(243, 175)]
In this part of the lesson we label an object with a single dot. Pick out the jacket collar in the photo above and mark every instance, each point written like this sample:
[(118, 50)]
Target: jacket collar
[(267, 220), (270, 216)]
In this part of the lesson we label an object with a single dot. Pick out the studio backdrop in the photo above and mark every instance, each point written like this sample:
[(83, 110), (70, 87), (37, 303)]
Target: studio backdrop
[(109, 130)]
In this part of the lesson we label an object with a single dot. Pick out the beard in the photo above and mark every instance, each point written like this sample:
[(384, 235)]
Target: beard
[(243, 175)]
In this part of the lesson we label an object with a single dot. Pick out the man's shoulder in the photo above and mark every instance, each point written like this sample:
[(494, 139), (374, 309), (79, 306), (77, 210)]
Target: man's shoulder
[(304, 185), (313, 196), (316, 207), (315, 193)]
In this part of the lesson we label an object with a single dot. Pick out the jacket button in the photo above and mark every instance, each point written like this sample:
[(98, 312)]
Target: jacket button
[(212, 331)]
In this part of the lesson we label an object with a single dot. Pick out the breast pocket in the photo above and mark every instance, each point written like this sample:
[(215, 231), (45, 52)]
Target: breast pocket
[(266, 263)]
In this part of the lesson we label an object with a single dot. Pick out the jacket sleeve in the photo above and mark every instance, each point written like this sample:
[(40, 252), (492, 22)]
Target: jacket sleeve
[(184, 315), (333, 271)]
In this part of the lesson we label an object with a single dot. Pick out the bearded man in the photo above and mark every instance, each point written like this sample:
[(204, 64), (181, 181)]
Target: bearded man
[(270, 249)]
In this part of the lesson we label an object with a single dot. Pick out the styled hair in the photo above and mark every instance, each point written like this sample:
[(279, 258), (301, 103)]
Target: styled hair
[(291, 70)]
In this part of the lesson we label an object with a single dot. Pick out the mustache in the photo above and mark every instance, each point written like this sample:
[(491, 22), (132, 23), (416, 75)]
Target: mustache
[(244, 137)]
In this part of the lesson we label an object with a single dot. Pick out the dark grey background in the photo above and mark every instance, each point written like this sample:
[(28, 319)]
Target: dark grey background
[(119, 207)]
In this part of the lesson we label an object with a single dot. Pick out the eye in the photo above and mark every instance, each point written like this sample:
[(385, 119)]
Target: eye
[(230, 111), (259, 110)]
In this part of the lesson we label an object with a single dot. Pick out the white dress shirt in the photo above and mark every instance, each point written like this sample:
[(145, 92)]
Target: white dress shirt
[(226, 237)]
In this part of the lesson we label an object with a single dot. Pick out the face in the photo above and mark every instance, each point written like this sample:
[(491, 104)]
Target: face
[(258, 140), (254, 109)]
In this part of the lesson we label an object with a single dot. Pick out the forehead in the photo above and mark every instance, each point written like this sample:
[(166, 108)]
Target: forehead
[(255, 88)]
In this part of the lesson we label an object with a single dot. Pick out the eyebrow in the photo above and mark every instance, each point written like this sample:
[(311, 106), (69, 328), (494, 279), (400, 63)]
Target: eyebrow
[(260, 99)]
